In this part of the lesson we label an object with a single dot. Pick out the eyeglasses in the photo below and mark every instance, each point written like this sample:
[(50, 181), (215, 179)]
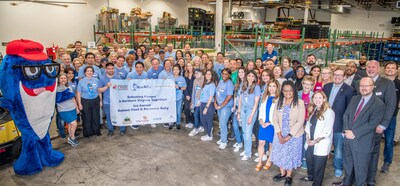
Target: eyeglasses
[(365, 86), (32, 72)]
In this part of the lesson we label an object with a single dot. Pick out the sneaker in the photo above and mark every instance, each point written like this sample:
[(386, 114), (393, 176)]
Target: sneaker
[(256, 154), (153, 125), (206, 138), (238, 147), (135, 127), (194, 132), (219, 142), (264, 158), (201, 129), (305, 179), (189, 125), (166, 125), (385, 167), (73, 142), (122, 133), (338, 173), (171, 126), (235, 145), (245, 158), (242, 153), (222, 146), (178, 127)]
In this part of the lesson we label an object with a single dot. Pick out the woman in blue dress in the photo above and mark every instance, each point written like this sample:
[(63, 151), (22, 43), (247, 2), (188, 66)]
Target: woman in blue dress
[(266, 129), (288, 123)]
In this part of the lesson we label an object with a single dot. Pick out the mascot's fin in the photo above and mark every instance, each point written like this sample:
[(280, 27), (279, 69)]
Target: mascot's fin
[(64, 95)]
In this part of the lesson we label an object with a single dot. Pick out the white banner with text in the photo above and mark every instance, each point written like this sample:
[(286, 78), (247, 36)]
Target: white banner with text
[(142, 101)]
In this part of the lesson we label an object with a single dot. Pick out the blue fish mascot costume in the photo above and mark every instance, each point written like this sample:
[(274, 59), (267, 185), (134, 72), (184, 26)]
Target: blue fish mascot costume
[(28, 83)]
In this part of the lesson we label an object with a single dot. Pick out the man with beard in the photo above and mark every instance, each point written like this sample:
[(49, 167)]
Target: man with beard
[(310, 62)]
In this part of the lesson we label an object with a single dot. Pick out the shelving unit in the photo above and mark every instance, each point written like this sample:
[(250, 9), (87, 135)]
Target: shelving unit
[(391, 51)]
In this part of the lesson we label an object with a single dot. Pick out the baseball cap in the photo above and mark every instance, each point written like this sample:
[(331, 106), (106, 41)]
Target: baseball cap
[(26, 49), (197, 70), (161, 52)]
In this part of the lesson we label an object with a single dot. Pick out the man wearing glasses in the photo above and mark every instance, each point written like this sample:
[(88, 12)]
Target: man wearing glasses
[(339, 95), (360, 121)]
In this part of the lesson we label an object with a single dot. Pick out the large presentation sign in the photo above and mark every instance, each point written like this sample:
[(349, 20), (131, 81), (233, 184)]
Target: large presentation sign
[(142, 101)]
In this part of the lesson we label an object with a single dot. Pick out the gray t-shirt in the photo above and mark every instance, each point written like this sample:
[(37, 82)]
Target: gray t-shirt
[(66, 105)]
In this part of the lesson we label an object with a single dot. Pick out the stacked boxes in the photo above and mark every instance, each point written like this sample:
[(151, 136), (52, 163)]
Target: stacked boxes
[(167, 21)]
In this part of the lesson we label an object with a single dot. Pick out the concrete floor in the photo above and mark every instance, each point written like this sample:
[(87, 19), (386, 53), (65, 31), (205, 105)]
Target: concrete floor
[(157, 156)]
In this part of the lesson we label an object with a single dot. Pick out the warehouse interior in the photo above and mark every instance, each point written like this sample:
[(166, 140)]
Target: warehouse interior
[(335, 31)]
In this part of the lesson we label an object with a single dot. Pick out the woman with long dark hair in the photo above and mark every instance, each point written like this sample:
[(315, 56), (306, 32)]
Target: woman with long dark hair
[(248, 109), (206, 104)]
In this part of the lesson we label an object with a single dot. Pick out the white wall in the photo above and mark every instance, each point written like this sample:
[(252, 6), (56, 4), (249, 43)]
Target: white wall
[(63, 26), (359, 20)]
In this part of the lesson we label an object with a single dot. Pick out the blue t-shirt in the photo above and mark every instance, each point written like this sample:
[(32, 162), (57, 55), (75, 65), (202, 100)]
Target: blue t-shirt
[(165, 75), (96, 74), (73, 86), (167, 54), (266, 56), (88, 88), (248, 100), (121, 72), (224, 90), (208, 90), (153, 74), (181, 82), (135, 75), (218, 68), (102, 83)]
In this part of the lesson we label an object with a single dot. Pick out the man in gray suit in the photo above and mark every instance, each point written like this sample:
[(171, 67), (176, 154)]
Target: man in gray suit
[(360, 121), (385, 90)]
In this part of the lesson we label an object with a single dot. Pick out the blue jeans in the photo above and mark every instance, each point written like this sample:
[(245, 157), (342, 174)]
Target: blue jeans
[(389, 137), (110, 127), (236, 130), (60, 125), (338, 156), (196, 116), (207, 119), (247, 128), (178, 111), (223, 115)]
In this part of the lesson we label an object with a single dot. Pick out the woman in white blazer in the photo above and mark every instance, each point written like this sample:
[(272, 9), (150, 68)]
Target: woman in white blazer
[(265, 116), (319, 136)]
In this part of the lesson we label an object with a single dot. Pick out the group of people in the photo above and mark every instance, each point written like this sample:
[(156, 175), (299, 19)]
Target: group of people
[(296, 113)]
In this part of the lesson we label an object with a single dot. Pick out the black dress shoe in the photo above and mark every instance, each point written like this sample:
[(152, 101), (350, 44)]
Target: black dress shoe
[(288, 181), (279, 177), (178, 127)]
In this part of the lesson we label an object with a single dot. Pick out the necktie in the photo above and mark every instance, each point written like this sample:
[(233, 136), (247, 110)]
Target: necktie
[(358, 110)]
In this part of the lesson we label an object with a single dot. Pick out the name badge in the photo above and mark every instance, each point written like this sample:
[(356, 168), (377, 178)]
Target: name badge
[(378, 93)]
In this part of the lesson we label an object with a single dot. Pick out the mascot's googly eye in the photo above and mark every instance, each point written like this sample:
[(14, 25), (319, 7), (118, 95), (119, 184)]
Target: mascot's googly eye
[(50, 69), (32, 71)]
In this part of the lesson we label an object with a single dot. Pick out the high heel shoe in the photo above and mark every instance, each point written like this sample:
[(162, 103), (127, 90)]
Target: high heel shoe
[(258, 167), (267, 165)]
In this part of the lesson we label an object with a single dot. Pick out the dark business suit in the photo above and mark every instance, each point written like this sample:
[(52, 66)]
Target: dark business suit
[(340, 103), (357, 78), (358, 151), (386, 92)]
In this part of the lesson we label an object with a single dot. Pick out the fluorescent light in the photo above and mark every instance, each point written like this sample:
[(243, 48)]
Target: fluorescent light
[(258, 8)]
